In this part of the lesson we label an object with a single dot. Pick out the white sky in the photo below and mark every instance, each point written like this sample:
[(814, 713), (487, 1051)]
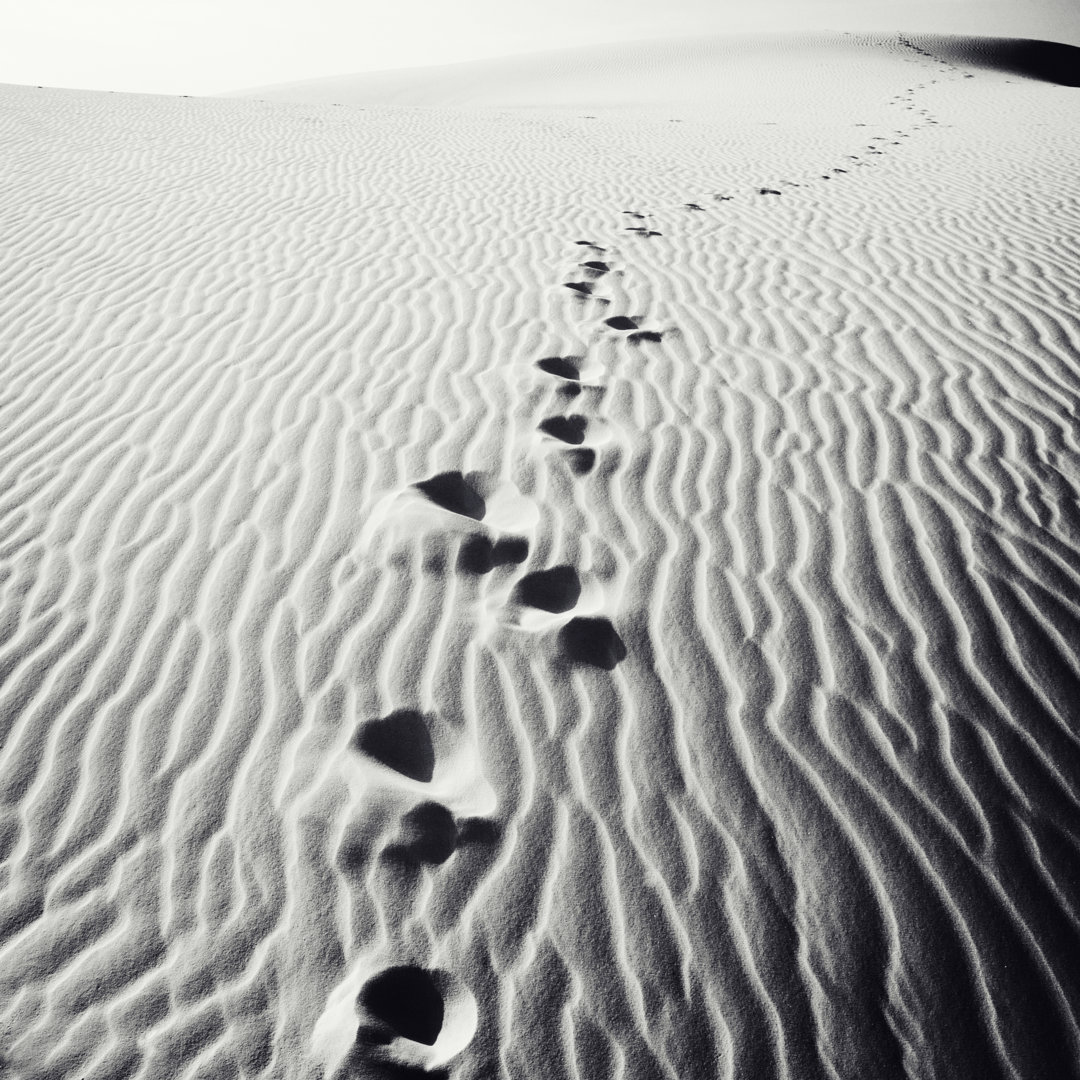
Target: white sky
[(214, 46)]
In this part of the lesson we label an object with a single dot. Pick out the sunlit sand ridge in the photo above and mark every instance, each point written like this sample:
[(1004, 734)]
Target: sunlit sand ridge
[(578, 586)]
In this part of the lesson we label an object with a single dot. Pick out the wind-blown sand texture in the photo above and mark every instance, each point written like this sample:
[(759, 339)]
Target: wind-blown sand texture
[(410, 666)]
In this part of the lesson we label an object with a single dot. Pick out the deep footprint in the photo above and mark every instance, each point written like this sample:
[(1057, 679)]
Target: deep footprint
[(478, 555), (556, 590), (565, 367), (583, 287), (621, 322), (407, 1001), (453, 492), (581, 461), (593, 642), (429, 835), (567, 429), (645, 335), (400, 741)]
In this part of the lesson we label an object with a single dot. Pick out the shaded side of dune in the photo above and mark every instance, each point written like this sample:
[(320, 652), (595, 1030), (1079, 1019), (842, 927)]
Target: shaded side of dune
[(1045, 61)]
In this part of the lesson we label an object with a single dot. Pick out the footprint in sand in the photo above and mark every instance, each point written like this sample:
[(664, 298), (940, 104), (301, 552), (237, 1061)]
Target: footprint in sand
[(416, 1016), (556, 590), (585, 288), (625, 322), (430, 834), (477, 496), (400, 741), (592, 642), (567, 429), (563, 367), (456, 493), (412, 1021), (581, 461), (585, 641), (566, 369), (480, 554)]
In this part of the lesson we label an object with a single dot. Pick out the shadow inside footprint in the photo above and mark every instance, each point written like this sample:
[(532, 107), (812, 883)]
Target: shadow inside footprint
[(569, 390), (556, 590), (621, 322), (429, 835), (583, 287), (581, 461), (599, 267), (568, 429), (565, 367), (453, 492), (645, 335), (407, 1001), (400, 741), (594, 642), (478, 555)]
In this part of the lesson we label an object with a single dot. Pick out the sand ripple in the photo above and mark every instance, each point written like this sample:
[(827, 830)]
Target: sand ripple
[(410, 666)]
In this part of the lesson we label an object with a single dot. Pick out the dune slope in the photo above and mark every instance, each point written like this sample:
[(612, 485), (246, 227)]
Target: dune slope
[(494, 592)]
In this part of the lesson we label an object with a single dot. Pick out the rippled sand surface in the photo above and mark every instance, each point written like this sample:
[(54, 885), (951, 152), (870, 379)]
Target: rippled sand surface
[(545, 592)]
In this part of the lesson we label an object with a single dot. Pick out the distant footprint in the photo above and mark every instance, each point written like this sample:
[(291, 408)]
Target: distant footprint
[(598, 268), (453, 492), (592, 642), (567, 429), (556, 590)]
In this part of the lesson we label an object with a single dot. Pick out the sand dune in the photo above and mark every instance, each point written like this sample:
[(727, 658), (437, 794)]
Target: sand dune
[(411, 666)]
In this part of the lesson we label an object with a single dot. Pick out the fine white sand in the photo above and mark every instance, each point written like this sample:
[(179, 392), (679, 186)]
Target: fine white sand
[(710, 710)]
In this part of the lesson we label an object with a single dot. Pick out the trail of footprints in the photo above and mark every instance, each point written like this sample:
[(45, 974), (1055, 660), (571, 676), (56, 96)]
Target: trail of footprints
[(877, 146), (411, 1019)]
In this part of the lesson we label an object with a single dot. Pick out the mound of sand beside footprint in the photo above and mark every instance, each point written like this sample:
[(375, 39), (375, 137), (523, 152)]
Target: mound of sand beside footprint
[(563, 569)]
